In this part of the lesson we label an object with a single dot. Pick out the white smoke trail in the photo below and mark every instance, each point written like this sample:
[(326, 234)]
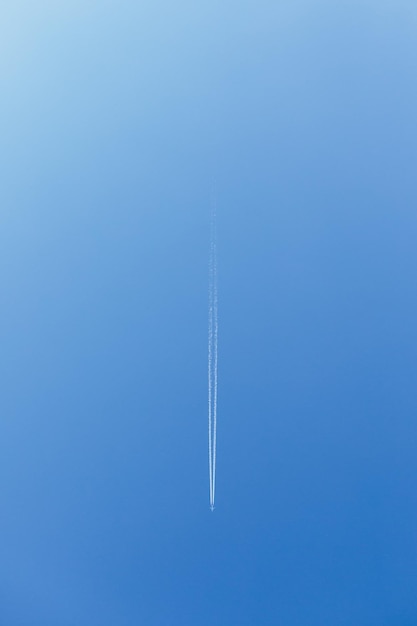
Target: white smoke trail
[(210, 379), (215, 365), (212, 357)]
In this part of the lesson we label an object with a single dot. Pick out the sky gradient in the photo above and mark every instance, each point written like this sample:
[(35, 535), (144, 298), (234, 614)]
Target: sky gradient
[(116, 118)]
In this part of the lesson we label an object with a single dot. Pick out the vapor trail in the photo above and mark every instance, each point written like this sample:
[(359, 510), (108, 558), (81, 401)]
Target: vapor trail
[(212, 355)]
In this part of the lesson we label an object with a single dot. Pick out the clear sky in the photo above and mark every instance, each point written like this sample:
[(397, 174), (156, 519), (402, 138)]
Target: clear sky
[(115, 118)]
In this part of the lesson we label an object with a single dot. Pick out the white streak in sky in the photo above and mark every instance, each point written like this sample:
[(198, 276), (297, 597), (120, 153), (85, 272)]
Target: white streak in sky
[(212, 355)]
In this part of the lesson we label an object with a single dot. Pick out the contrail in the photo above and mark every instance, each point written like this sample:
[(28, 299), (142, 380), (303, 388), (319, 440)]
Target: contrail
[(212, 355)]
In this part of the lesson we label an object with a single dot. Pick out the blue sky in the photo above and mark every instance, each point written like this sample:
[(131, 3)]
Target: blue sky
[(115, 120)]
